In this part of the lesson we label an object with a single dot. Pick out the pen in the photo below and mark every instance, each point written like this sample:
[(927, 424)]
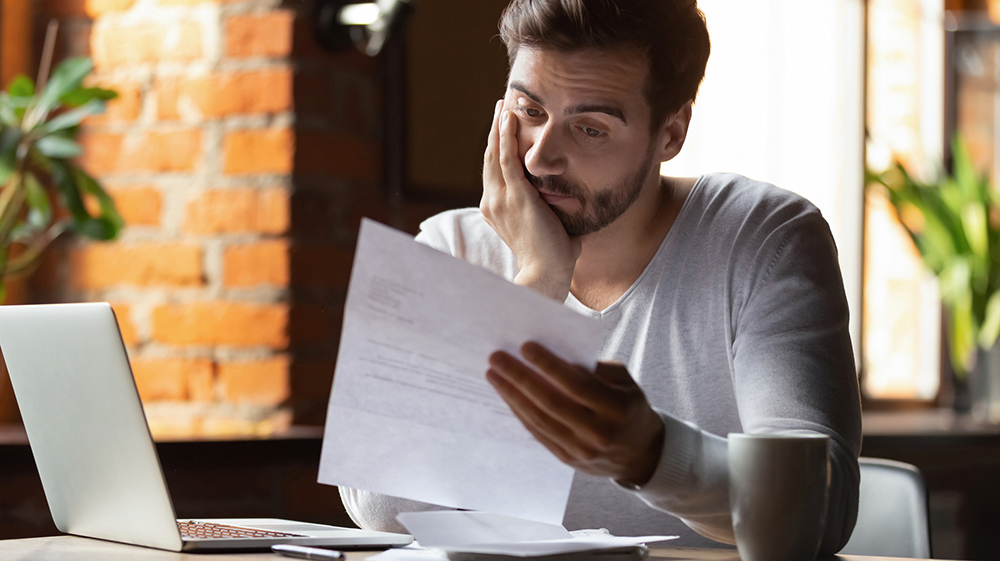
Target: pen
[(300, 552)]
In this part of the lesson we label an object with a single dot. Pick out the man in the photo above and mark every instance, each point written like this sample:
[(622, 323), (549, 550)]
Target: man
[(719, 295)]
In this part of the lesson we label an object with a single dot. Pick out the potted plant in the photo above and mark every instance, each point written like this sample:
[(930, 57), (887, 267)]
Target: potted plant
[(955, 224), (38, 130)]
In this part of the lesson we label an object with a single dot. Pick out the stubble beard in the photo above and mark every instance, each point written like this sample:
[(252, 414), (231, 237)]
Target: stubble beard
[(600, 210)]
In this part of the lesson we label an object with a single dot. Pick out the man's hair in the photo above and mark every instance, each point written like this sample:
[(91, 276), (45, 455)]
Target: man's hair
[(671, 34)]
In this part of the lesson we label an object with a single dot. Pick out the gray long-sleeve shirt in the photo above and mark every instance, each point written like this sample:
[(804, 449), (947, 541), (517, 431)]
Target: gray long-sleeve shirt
[(738, 324)]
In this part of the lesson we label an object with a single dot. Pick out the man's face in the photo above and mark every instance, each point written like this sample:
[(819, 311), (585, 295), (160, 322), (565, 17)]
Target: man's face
[(583, 132)]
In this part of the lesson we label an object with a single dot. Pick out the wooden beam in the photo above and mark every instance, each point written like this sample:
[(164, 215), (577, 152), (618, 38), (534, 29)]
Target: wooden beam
[(16, 38)]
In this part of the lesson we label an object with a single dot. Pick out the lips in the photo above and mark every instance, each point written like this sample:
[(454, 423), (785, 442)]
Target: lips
[(552, 198)]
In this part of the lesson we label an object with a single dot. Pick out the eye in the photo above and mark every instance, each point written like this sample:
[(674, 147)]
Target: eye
[(592, 132), (530, 111)]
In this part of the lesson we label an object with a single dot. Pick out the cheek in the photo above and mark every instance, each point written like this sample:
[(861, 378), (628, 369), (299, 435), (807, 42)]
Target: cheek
[(525, 140)]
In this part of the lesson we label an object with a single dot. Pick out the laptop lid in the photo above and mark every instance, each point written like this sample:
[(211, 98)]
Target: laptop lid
[(88, 433), (85, 423)]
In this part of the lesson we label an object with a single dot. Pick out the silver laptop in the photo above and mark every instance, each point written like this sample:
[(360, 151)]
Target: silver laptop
[(92, 446)]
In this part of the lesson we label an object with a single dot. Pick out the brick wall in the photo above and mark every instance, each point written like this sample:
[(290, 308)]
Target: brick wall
[(242, 159)]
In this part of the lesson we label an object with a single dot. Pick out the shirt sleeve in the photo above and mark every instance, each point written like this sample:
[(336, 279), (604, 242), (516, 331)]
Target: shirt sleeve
[(375, 511), (793, 372)]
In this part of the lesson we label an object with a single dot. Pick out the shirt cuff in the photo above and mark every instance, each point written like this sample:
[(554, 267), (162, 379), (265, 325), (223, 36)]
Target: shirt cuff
[(675, 469)]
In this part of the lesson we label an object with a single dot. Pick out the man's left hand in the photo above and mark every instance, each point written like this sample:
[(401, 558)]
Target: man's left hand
[(599, 423)]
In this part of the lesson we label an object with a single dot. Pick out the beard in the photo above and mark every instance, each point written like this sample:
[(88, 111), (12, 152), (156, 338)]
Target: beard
[(600, 210)]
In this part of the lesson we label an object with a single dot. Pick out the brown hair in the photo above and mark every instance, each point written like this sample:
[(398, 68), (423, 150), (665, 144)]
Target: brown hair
[(671, 33)]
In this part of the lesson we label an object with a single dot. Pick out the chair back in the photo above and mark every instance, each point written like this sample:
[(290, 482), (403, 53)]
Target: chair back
[(892, 512)]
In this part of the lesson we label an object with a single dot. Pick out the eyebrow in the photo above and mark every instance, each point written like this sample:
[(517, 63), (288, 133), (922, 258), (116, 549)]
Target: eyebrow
[(578, 109)]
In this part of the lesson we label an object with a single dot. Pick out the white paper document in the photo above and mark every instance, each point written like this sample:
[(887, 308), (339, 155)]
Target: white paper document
[(411, 413), (465, 535)]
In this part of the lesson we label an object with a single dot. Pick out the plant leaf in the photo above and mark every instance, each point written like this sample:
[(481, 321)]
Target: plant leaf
[(8, 112), (55, 146), (39, 207), (67, 77), (962, 331), (68, 191), (954, 280), (21, 86), (110, 221), (71, 118), (81, 96), (990, 330), (11, 198), (29, 257)]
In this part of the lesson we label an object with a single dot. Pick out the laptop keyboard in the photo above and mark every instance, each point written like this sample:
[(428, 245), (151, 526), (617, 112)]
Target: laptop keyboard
[(207, 530)]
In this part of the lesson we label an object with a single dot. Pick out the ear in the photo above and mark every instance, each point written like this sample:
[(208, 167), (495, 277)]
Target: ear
[(673, 132)]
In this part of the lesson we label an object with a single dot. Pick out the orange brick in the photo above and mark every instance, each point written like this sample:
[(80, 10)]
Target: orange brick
[(97, 8), (260, 35), (89, 8), (336, 155), (258, 151), (261, 263), (166, 98), (101, 152), (261, 382), (101, 265), (154, 151), (273, 211), (193, 2), (123, 312), (169, 378), (238, 210), (201, 384), (167, 151), (250, 93), (126, 107), (222, 323), (116, 46), (138, 205)]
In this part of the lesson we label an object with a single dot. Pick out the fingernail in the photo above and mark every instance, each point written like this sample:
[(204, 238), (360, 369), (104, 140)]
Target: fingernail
[(499, 105)]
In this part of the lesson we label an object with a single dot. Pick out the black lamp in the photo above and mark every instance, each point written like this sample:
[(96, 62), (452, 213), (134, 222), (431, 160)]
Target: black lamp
[(340, 24)]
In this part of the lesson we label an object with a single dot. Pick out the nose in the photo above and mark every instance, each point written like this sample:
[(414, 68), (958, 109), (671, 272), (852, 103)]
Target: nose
[(546, 153)]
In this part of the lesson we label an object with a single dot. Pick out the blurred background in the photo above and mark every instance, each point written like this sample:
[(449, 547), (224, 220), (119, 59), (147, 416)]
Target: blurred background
[(248, 139)]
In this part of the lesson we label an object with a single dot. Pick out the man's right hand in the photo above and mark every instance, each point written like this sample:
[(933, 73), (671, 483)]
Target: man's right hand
[(546, 255)]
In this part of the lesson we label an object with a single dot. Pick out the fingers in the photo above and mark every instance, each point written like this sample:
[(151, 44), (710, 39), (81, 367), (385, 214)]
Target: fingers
[(547, 432), (510, 161), (576, 382), (538, 389), (491, 164), (614, 373)]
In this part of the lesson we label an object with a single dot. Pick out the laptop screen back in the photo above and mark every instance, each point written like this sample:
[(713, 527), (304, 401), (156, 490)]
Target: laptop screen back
[(85, 423)]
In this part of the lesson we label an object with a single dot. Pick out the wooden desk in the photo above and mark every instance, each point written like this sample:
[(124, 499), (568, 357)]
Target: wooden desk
[(64, 548), (277, 477)]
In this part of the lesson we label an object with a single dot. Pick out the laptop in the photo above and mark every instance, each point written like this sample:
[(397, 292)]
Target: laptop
[(96, 458)]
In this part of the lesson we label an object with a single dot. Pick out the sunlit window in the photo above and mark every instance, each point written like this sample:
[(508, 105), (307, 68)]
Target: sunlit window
[(782, 102)]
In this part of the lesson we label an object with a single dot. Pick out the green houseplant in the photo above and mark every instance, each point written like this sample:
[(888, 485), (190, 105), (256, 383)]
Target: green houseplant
[(955, 224), (38, 130)]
